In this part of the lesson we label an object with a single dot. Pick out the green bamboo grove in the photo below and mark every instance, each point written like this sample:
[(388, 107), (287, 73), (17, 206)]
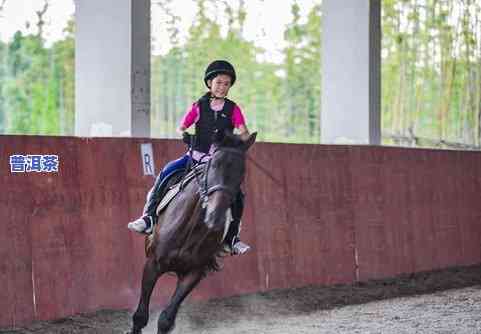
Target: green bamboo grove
[(431, 75)]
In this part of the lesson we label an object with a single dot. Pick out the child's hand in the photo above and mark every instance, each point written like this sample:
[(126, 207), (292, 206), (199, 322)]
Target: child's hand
[(187, 138)]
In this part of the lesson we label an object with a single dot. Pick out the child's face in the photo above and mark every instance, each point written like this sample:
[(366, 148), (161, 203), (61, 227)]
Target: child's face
[(220, 85)]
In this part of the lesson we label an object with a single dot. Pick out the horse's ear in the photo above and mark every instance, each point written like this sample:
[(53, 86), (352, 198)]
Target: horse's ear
[(232, 140), (248, 143)]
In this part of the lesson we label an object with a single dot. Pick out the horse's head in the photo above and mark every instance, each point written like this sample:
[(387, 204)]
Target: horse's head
[(224, 174)]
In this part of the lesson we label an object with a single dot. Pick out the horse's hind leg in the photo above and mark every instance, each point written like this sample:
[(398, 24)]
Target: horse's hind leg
[(185, 285), (149, 277)]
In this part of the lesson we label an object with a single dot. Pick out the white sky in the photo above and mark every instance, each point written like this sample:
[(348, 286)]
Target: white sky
[(17, 12), (265, 22)]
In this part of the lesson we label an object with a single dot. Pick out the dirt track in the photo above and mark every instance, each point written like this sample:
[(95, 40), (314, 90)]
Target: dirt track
[(438, 302)]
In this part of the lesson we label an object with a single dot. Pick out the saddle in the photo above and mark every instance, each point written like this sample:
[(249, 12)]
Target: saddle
[(176, 188)]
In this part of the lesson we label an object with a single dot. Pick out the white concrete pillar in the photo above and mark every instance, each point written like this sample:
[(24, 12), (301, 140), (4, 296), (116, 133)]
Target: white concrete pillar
[(112, 68), (351, 80)]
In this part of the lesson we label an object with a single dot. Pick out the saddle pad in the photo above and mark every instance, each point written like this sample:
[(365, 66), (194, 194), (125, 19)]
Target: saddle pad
[(175, 189)]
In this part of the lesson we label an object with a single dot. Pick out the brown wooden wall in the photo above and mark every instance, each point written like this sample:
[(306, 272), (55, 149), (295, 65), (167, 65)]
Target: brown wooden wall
[(315, 214)]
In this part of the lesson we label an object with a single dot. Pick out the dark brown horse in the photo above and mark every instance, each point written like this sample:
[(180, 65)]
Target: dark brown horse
[(187, 240)]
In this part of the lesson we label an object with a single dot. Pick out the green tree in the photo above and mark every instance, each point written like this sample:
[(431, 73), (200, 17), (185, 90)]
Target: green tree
[(303, 68), (37, 86), (30, 90), (177, 77), (281, 101), (431, 72), (63, 54), (3, 74)]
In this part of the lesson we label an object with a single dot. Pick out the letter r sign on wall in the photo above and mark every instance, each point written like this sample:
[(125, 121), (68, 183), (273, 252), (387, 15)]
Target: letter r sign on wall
[(147, 156)]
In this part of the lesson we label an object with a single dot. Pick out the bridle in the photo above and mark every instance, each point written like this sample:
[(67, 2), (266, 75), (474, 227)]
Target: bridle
[(204, 188)]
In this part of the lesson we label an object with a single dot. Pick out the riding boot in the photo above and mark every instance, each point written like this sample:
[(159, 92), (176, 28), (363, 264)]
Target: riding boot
[(154, 196), (146, 223), (233, 234)]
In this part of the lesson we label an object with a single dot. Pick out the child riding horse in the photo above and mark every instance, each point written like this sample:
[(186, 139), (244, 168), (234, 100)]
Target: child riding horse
[(188, 238), (212, 113)]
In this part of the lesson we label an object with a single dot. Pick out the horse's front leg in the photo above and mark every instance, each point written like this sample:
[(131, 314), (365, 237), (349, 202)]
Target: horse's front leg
[(184, 286), (149, 277)]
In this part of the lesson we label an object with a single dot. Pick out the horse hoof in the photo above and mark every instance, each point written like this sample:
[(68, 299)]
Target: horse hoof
[(168, 331), (165, 324)]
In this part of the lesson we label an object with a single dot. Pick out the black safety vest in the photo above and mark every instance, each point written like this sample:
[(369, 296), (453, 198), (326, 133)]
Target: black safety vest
[(211, 121)]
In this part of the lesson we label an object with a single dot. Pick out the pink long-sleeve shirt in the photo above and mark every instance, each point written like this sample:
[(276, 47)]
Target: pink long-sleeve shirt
[(193, 114)]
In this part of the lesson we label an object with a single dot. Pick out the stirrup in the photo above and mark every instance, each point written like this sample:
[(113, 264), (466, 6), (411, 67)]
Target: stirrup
[(239, 248)]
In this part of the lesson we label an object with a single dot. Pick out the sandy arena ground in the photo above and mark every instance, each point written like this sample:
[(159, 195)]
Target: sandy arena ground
[(446, 301)]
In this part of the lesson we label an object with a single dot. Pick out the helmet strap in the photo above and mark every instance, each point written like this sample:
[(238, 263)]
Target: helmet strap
[(213, 97)]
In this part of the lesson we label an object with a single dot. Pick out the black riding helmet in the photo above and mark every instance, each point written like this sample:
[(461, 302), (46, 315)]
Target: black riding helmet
[(219, 67)]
